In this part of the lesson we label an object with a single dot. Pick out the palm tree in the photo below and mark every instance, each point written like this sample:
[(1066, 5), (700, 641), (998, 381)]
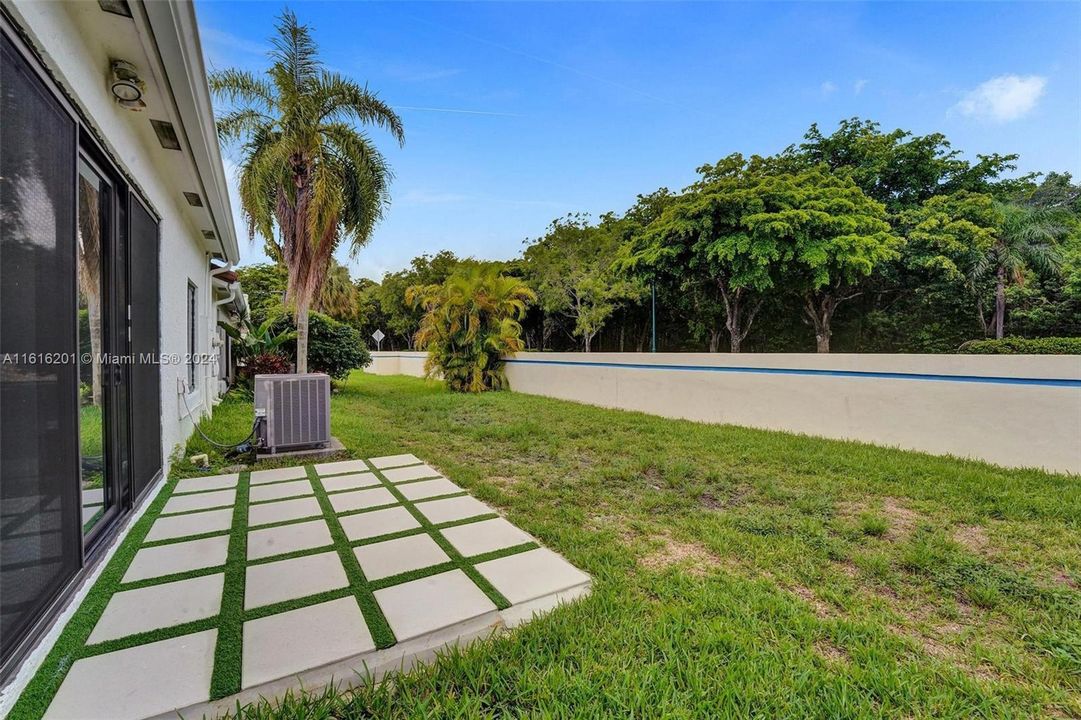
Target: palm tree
[(306, 169), (338, 297), (470, 322), (1026, 240)]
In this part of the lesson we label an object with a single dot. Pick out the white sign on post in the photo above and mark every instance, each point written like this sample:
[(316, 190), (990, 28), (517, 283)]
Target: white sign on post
[(378, 337)]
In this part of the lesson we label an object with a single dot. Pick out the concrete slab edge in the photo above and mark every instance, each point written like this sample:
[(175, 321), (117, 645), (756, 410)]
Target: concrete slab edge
[(376, 664)]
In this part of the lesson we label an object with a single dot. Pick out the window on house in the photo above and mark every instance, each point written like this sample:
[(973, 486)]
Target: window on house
[(192, 311)]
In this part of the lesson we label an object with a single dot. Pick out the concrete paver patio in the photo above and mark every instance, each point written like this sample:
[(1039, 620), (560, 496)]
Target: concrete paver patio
[(247, 584)]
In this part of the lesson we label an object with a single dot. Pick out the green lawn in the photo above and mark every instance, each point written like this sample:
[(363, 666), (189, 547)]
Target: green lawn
[(91, 443), (737, 573)]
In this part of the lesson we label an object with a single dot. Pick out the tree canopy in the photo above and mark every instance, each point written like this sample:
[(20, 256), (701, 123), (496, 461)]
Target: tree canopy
[(861, 240)]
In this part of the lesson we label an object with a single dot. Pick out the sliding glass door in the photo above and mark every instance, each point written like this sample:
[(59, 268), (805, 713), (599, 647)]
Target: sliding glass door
[(78, 348), (40, 523), (98, 492)]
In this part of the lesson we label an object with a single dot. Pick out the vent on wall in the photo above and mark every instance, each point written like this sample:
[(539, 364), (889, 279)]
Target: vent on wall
[(166, 134), (116, 7), (193, 199), (209, 235)]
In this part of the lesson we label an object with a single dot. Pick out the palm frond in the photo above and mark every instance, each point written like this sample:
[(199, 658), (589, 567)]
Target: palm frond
[(241, 87), (342, 99)]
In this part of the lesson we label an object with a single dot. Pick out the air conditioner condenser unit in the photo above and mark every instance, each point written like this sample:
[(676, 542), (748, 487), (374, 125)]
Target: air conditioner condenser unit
[(294, 411)]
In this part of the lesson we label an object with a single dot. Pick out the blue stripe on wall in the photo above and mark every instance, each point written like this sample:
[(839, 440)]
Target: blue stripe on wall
[(989, 379), (1047, 382)]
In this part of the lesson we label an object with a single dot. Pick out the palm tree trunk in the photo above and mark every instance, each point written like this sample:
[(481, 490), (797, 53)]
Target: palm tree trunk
[(302, 334), (1000, 302), (94, 318)]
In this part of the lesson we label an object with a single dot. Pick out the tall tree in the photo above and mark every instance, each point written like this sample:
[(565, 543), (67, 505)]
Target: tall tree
[(571, 268), (702, 243), (832, 237), (897, 168), (338, 296), (306, 169), (264, 284), (946, 237), (1026, 240)]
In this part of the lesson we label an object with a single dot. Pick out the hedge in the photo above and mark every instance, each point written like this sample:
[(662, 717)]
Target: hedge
[(333, 347), (1024, 346)]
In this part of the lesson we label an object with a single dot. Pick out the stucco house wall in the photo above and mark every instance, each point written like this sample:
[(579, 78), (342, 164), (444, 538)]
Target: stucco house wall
[(74, 42)]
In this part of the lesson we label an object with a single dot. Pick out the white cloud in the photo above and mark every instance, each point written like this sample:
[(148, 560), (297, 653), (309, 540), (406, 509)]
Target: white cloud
[(828, 88), (858, 86), (1003, 98)]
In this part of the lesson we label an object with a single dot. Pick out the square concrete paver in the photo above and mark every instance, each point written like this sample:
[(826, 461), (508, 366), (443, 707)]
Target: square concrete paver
[(199, 501), (428, 488), (422, 606), (281, 490), (361, 499), (389, 461), (159, 606), (415, 472), (343, 466), (273, 582), (350, 482), (280, 645), (178, 526), (459, 508), (212, 482), (177, 557), (392, 557), (362, 526), (485, 536), (290, 473), (287, 538), (282, 510), (139, 682), (531, 574)]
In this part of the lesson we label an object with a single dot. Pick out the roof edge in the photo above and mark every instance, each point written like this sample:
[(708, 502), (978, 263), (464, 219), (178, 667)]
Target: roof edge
[(176, 35)]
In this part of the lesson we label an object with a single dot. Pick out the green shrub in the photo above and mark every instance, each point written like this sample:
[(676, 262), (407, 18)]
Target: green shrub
[(334, 348), (1024, 346), (470, 322)]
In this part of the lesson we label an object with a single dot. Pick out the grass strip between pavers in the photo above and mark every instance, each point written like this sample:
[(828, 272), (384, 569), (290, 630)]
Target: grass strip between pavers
[(229, 650), (228, 655), (456, 557), (377, 623), (71, 644)]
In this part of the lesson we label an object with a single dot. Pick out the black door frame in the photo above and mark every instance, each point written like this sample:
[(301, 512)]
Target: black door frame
[(116, 326)]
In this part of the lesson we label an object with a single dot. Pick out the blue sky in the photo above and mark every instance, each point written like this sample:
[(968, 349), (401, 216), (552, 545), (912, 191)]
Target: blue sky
[(517, 113)]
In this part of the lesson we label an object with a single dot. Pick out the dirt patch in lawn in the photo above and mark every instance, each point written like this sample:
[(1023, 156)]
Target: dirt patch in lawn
[(692, 557), (973, 538), (821, 608), (902, 519), (504, 481), (720, 500), (1064, 578), (937, 647), (831, 652)]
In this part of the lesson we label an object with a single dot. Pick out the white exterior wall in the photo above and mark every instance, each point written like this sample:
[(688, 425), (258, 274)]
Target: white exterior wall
[(81, 72), (1002, 409)]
